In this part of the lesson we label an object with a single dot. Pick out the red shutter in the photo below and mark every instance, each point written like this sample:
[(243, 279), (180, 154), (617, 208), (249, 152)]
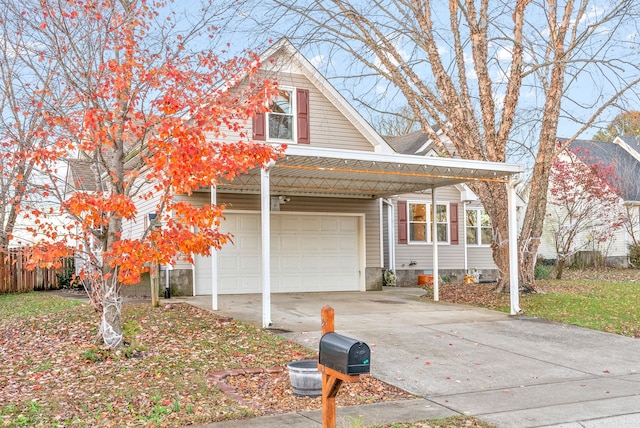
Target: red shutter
[(453, 224), (402, 222), (302, 101), (259, 127)]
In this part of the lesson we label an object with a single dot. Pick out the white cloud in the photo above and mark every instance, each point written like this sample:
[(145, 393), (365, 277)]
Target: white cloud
[(317, 61), (504, 54), (501, 76), (397, 42), (380, 90), (498, 99), (470, 71)]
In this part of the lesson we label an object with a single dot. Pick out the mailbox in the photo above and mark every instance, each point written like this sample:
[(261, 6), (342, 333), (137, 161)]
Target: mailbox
[(344, 354)]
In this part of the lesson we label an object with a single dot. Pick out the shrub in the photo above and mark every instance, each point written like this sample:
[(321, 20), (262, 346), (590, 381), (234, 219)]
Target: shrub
[(634, 255), (67, 278), (542, 272)]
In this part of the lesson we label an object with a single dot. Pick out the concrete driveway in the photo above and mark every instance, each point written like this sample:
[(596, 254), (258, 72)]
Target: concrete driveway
[(510, 371)]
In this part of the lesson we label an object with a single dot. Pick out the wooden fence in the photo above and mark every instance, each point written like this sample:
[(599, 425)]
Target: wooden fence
[(16, 278)]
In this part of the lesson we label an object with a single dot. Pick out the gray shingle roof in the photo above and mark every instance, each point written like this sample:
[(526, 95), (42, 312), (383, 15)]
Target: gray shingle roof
[(411, 143), (407, 144), (627, 168)]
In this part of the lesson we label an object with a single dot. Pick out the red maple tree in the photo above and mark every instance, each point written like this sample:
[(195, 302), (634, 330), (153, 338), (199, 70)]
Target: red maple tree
[(144, 121), (585, 207)]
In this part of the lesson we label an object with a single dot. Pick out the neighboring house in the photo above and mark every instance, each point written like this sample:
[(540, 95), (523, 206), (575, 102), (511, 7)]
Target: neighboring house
[(623, 154), (317, 213), (464, 228)]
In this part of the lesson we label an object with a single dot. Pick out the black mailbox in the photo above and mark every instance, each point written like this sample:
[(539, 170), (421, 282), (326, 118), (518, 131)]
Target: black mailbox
[(344, 354)]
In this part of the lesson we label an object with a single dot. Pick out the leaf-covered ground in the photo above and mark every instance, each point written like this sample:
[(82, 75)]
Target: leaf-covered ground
[(54, 373), (606, 300)]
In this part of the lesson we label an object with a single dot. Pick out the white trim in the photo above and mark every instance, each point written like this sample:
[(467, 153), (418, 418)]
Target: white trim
[(430, 241), (478, 228), (294, 108), (427, 143), (619, 141)]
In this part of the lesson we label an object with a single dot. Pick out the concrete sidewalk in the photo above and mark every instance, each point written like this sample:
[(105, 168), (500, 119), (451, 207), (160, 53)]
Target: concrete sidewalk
[(509, 371)]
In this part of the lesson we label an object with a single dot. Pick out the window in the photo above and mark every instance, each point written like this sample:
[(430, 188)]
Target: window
[(478, 227), (420, 222), (281, 117), (288, 118)]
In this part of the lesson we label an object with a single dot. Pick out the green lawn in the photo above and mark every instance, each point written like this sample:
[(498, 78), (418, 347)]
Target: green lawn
[(613, 307), (15, 306)]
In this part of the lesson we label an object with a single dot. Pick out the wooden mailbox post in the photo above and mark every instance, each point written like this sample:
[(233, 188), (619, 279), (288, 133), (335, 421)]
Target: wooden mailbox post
[(331, 379)]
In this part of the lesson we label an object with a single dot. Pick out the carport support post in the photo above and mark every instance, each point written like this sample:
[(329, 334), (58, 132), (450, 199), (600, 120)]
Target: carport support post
[(434, 244), (265, 215), (513, 248), (214, 262)]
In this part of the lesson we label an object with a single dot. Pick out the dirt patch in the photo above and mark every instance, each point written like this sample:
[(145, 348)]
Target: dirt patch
[(269, 392)]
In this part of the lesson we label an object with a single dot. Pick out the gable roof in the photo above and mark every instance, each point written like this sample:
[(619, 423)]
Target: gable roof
[(81, 175), (408, 144), (630, 145), (625, 162), (417, 143), (284, 48)]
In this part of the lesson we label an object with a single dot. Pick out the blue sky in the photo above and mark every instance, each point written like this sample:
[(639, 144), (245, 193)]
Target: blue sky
[(583, 95)]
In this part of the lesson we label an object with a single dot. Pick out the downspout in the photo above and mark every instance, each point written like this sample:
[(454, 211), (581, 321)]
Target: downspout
[(391, 238)]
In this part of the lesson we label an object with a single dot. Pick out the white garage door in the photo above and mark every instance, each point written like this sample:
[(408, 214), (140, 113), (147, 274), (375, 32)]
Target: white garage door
[(308, 253)]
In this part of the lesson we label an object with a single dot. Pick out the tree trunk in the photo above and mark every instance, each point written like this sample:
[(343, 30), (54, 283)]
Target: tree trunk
[(501, 259), (560, 268), (111, 325), (493, 196), (155, 284)]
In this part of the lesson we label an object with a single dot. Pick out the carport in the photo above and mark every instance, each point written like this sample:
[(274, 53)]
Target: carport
[(311, 171)]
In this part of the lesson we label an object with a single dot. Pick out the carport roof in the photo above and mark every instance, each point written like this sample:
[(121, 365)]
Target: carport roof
[(313, 171)]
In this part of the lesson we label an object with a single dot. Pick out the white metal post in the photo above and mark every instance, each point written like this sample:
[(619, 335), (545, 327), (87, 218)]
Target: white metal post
[(464, 239), (392, 237), (265, 214), (513, 248), (434, 241), (214, 263)]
